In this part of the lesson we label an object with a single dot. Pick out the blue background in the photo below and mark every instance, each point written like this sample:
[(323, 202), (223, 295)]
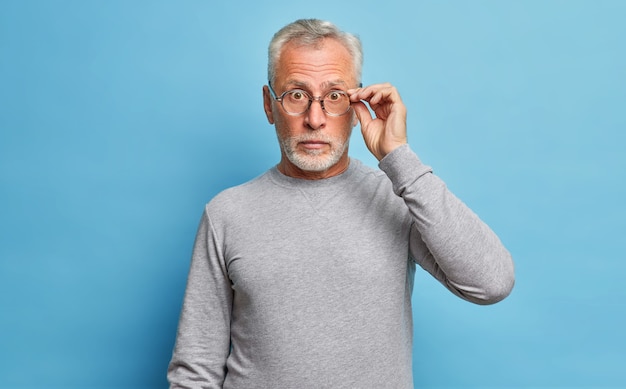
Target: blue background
[(120, 119)]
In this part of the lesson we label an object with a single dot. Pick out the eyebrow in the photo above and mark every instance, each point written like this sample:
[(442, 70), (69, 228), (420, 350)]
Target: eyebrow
[(326, 85)]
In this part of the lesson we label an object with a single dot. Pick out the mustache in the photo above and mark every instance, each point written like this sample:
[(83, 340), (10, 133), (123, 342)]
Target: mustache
[(312, 137)]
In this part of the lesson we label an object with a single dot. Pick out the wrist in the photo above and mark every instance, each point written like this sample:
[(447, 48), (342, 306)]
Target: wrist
[(390, 150)]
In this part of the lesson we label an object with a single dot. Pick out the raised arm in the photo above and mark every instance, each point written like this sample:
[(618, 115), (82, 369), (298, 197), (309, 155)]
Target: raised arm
[(448, 240)]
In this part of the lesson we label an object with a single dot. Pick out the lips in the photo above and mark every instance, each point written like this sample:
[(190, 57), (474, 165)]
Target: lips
[(313, 144)]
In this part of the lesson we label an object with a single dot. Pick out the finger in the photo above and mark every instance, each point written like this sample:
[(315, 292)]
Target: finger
[(355, 94), (362, 113), (373, 87), (375, 94), (385, 95), (363, 93)]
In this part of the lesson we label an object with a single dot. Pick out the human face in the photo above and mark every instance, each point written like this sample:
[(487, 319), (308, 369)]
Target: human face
[(313, 145)]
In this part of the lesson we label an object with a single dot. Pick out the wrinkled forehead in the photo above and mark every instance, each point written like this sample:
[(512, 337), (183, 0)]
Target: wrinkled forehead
[(324, 64), (323, 87)]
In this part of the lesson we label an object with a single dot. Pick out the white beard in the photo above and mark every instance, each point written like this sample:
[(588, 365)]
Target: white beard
[(314, 160)]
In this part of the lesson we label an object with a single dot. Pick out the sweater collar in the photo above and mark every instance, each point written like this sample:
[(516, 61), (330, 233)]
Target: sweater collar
[(283, 180)]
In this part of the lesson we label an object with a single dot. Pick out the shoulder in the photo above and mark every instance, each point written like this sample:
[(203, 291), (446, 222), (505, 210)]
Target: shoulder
[(235, 196)]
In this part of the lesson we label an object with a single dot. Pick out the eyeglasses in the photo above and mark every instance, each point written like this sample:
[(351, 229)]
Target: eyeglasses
[(296, 101)]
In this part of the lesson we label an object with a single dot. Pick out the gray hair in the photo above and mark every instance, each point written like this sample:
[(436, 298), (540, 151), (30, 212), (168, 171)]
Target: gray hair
[(310, 32)]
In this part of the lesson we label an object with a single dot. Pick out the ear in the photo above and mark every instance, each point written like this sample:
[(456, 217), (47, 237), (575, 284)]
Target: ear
[(267, 104)]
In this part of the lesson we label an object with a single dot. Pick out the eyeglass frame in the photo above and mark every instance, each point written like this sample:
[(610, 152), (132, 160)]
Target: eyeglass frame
[(311, 100)]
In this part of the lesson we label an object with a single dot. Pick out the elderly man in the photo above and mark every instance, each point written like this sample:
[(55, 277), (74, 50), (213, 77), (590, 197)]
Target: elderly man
[(302, 277)]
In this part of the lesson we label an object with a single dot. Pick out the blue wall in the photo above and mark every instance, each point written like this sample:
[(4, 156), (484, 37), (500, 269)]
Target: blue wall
[(120, 119)]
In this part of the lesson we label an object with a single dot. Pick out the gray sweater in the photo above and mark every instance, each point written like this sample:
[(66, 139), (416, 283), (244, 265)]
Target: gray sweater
[(307, 283)]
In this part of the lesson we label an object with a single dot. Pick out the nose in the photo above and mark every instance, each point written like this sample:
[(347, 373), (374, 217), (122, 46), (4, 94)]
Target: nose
[(315, 118)]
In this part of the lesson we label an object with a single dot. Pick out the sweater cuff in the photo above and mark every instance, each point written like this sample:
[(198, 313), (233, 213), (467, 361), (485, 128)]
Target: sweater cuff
[(403, 167)]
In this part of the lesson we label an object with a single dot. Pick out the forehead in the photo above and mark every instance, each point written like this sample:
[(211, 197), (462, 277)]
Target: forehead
[(326, 62)]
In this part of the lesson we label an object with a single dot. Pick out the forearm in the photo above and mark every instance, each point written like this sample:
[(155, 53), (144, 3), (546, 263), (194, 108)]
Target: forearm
[(462, 251)]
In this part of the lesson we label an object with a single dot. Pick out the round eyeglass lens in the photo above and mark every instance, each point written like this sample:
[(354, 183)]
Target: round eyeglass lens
[(336, 102), (296, 101)]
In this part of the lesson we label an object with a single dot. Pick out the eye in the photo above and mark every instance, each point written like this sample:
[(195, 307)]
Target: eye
[(298, 95), (334, 96)]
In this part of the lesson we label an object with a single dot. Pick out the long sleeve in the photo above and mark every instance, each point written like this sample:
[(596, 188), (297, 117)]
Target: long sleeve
[(203, 338), (449, 240)]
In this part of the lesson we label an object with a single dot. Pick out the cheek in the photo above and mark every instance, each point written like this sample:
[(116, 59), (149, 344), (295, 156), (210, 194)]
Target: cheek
[(287, 126), (344, 129)]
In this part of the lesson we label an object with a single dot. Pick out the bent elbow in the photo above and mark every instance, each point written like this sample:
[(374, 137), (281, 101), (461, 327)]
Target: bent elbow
[(488, 292), (497, 292), (500, 284)]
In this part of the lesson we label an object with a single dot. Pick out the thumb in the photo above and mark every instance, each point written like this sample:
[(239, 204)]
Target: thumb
[(362, 113)]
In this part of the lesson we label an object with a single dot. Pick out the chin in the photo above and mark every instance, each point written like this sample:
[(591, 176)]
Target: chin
[(314, 160), (313, 163)]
